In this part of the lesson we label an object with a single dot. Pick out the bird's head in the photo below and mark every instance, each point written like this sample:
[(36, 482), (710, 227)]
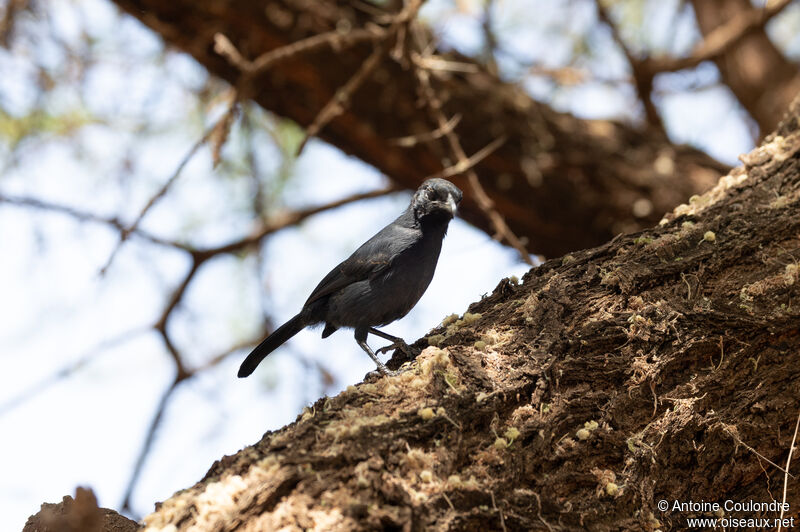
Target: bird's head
[(436, 199)]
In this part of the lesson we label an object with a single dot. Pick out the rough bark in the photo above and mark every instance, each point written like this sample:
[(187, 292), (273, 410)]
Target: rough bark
[(662, 365), (561, 182), (759, 75)]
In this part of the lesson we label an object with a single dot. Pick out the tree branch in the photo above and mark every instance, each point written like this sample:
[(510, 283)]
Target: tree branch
[(642, 76), (83, 216), (502, 231), (610, 165), (214, 130), (333, 39), (148, 444), (68, 370), (720, 40)]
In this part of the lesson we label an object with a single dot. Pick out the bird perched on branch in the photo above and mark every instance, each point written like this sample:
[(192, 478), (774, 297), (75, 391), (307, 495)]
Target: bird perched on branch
[(379, 283)]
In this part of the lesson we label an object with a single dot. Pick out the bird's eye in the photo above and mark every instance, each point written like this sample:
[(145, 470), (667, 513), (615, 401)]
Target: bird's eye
[(430, 194)]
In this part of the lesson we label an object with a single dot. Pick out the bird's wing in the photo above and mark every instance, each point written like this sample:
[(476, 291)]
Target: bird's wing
[(372, 258)]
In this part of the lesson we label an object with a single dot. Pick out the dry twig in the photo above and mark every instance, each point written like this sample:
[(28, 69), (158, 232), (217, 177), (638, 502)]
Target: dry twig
[(337, 105), (148, 444), (217, 133), (469, 163), (340, 100), (82, 216), (439, 132), (335, 39), (69, 369), (786, 471), (483, 200)]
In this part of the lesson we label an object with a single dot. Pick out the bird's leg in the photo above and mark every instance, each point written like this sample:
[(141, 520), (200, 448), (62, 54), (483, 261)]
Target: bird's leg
[(397, 343), (361, 338)]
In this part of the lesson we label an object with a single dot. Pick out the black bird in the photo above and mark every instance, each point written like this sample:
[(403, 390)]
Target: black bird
[(380, 282)]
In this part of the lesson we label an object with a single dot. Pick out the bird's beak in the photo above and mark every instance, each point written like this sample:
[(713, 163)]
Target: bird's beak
[(451, 204)]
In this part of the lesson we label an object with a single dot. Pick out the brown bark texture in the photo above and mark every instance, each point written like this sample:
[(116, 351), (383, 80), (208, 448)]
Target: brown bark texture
[(661, 365), (560, 182)]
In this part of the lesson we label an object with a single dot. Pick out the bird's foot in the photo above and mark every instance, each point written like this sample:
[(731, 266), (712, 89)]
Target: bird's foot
[(400, 344)]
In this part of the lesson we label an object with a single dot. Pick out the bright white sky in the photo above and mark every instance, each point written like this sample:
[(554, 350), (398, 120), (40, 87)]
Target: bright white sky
[(55, 309)]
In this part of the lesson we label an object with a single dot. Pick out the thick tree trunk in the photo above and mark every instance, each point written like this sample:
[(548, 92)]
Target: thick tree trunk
[(661, 366), (561, 182)]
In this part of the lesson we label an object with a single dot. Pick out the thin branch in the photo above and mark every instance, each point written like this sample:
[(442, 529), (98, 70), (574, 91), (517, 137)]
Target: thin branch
[(222, 129), (333, 39), (148, 444), (412, 140), (83, 216), (172, 303), (721, 39), (338, 103), (214, 130), (445, 65), (67, 370), (276, 224), (469, 163), (489, 37), (259, 198), (786, 471), (288, 219), (483, 200)]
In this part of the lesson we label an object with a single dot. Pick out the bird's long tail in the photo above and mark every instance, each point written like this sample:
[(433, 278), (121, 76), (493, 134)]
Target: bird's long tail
[(270, 344)]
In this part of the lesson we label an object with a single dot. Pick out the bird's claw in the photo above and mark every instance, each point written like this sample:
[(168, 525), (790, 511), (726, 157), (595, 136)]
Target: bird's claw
[(401, 345)]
